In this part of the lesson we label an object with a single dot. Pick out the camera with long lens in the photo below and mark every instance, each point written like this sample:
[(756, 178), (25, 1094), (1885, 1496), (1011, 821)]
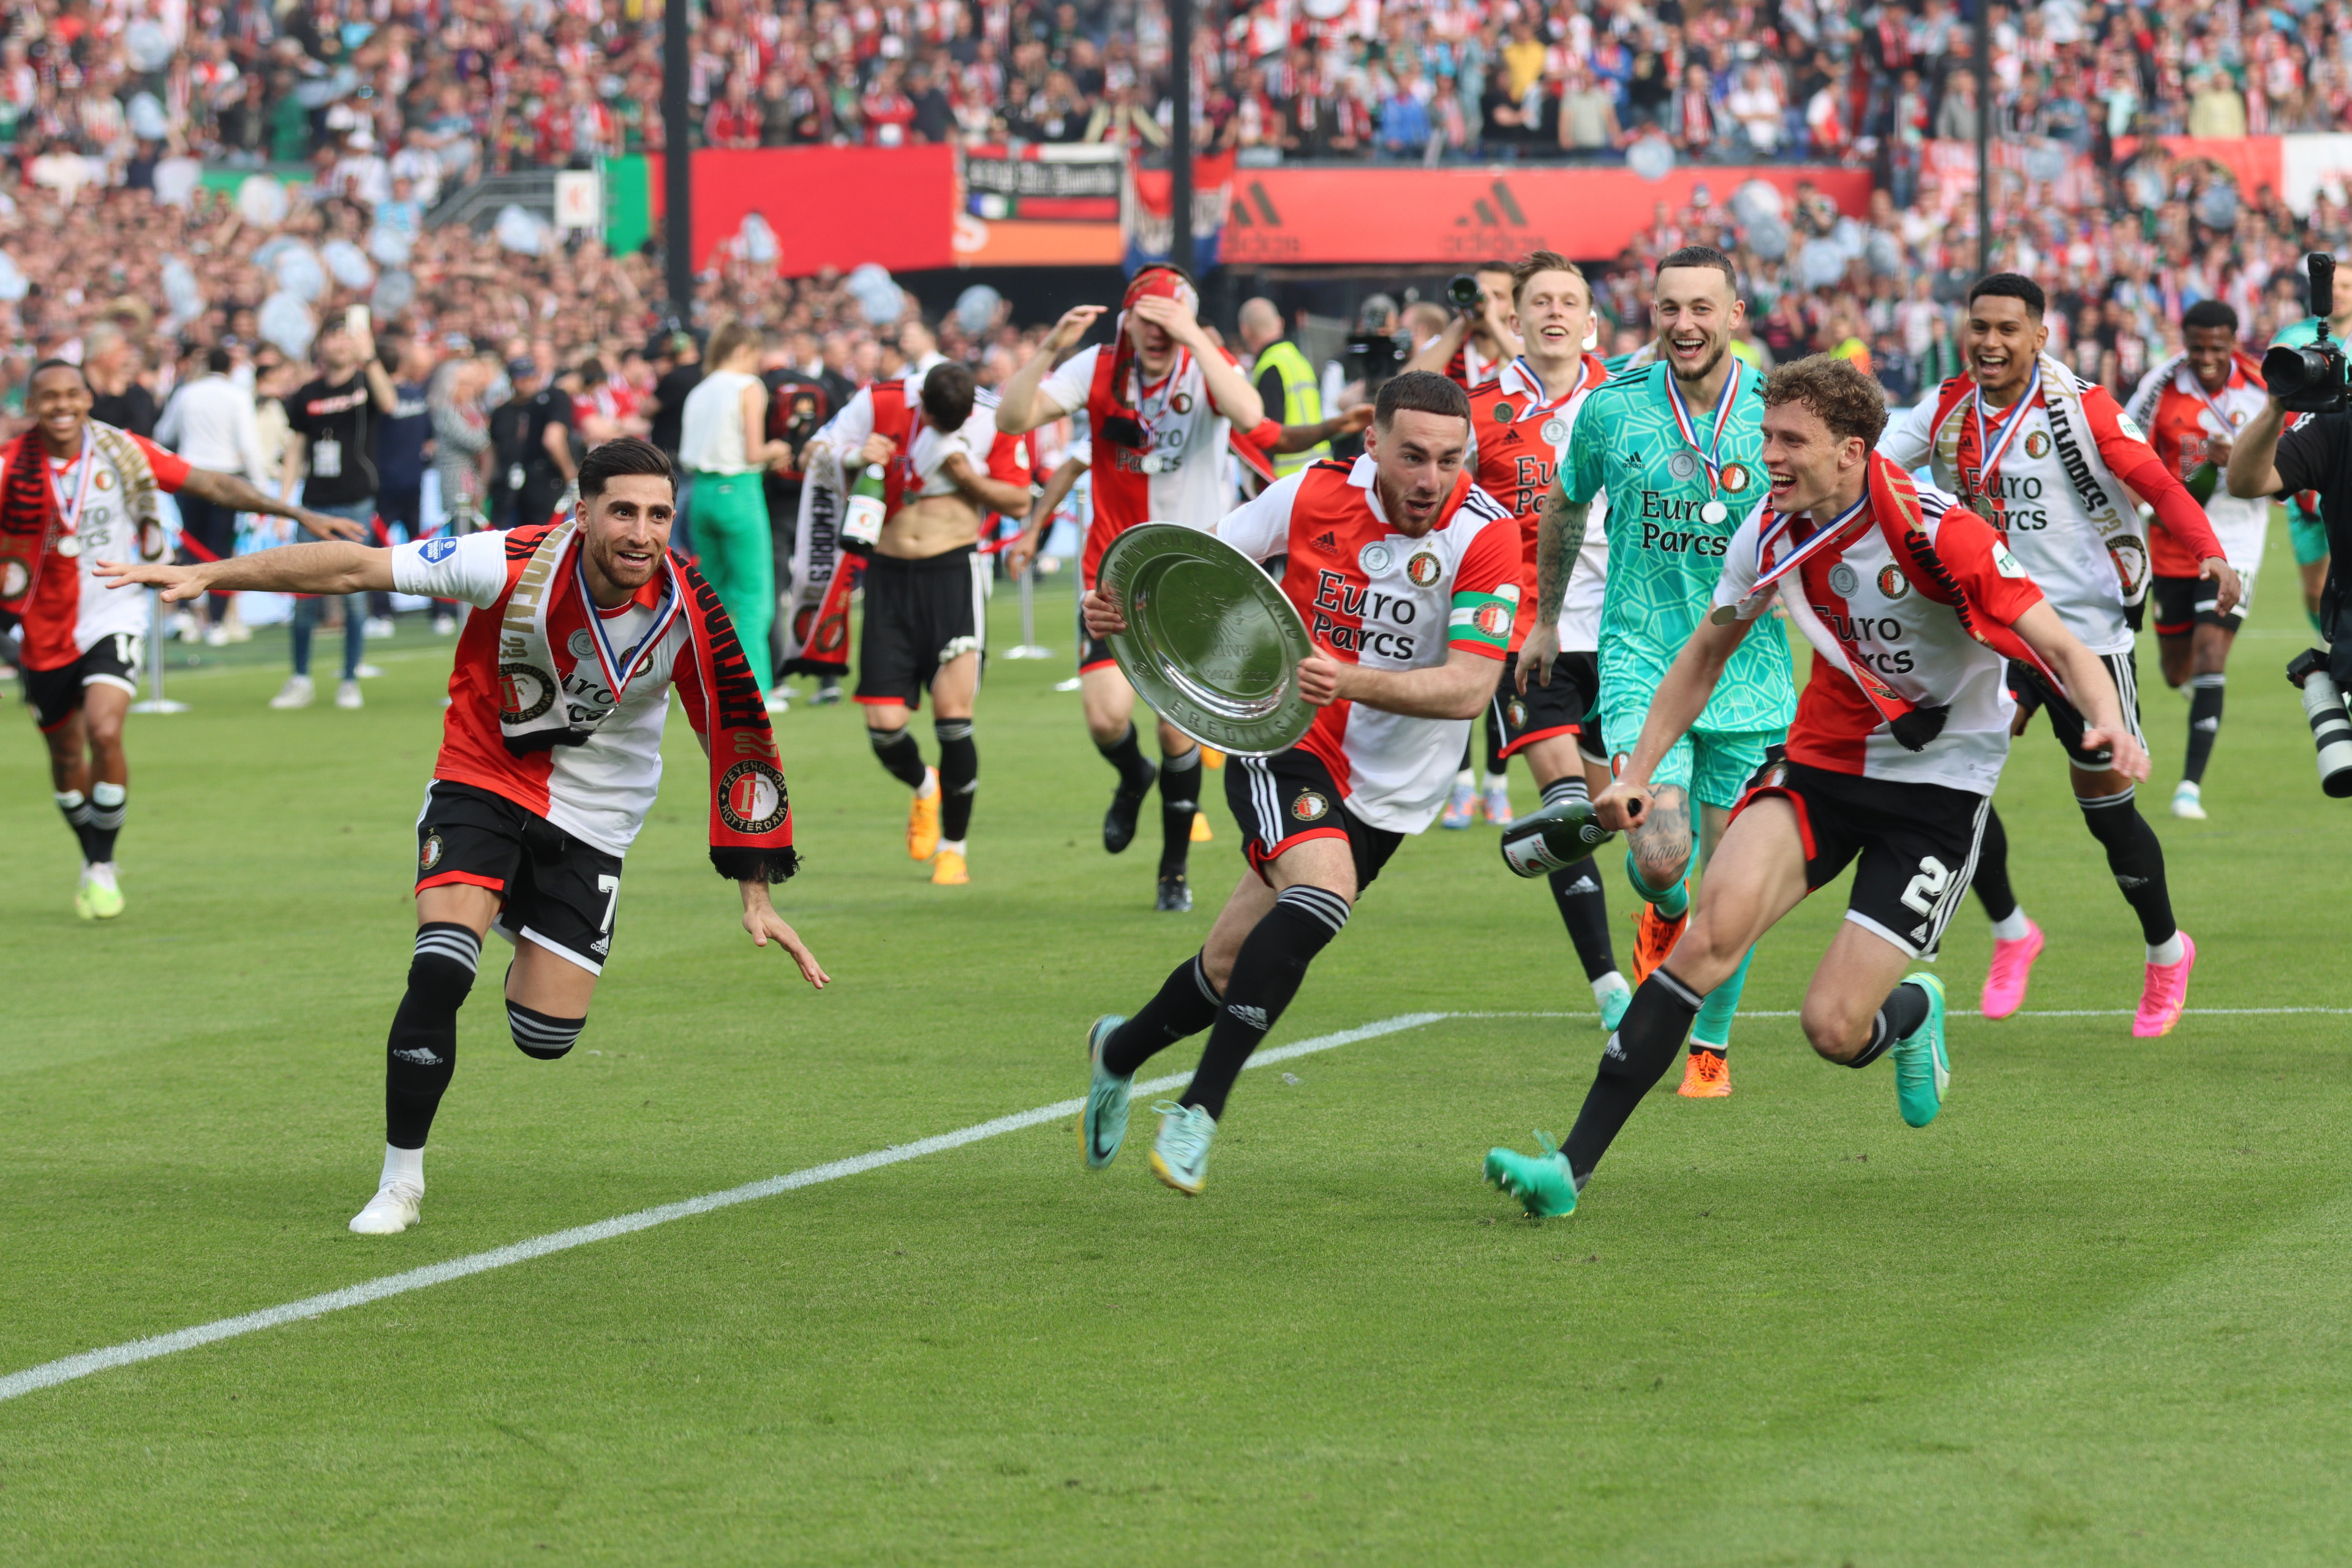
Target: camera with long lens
[(1376, 351), (2331, 723), (1462, 292), (2313, 378)]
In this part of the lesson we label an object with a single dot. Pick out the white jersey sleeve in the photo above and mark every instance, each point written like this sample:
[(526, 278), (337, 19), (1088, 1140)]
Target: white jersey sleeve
[(1260, 528), (1067, 388), (1908, 441), (473, 568), (2141, 409), (1737, 586)]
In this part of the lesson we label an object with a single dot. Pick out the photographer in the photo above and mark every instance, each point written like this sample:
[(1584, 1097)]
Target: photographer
[(1482, 338), (2281, 452)]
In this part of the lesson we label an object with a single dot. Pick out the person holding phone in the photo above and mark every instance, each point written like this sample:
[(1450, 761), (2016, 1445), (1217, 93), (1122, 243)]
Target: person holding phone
[(330, 450)]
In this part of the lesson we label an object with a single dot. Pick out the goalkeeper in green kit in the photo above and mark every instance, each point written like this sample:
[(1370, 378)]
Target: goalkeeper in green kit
[(1676, 445)]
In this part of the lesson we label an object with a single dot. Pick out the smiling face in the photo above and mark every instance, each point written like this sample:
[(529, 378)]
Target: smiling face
[(1695, 313), (1555, 312), (1999, 341), (1809, 467), (59, 400), (626, 527), (1418, 457), (2210, 351)]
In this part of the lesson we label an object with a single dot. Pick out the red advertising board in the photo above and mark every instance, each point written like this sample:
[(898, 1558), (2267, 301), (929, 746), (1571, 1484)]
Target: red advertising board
[(1388, 215), (829, 207)]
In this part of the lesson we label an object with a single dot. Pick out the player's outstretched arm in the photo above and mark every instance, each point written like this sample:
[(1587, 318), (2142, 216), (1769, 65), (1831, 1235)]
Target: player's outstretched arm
[(993, 495), (761, 919), (2253, 458), (233, 492), (1018, 553), (1301, 437), (1559, 536), (1681, 698), (1457, 688), (1020, 405), (2088, 686), (332, 567)]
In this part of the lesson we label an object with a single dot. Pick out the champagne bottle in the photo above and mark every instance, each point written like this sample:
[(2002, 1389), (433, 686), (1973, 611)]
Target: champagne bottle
[(862, 518), (1553, 838), (2201, 480)]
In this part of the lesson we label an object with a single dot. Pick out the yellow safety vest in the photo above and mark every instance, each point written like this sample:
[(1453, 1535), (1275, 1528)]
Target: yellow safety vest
[(1302, 401)]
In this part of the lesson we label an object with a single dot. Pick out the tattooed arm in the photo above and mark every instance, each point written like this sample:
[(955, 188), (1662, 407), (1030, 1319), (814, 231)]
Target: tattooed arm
[(1559, 537)]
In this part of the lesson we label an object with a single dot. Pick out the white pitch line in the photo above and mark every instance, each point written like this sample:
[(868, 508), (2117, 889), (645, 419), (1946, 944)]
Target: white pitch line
[(66, 1369)]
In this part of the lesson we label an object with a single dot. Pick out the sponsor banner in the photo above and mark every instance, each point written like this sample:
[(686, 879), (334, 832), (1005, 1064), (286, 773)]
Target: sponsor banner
[(1147, 212), (1043, 183), (1022, 242), (1323, 216), (827, 206)]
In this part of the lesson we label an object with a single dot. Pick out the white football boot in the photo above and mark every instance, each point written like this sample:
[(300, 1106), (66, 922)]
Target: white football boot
[(392, 1210)]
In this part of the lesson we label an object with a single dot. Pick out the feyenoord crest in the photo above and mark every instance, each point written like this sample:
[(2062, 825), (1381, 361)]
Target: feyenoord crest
[(1555, 431), (1734, 478), (1212, 642), (523, 693), (430, 856), (582, 644), (1892, 584), (103, 479), (2130, 557), (15, 579), (1504, 413), (1518, 712), (2037, 443), (1423, 569), (752, 798), (1843, 580), (1493, 619), (1310, 807), (1182, 403), (1682, 465), (1376, 558)]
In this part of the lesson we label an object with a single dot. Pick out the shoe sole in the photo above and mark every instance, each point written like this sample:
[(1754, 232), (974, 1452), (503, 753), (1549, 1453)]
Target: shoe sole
[(1168, 1177)]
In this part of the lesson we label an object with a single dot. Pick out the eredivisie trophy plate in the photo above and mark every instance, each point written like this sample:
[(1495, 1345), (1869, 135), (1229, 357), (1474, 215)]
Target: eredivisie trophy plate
[(1211, 642)]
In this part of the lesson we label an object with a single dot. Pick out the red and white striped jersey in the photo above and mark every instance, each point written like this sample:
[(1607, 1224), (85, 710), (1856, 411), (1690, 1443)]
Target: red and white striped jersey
[(105, 528), (2173, 406), (599, 790), (1385, 600), (1519, 431), (1181, 472), (1856, 600)]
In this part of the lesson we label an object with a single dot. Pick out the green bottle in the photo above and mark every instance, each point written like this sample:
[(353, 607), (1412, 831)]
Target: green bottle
[(862, 518), (2201, 480)]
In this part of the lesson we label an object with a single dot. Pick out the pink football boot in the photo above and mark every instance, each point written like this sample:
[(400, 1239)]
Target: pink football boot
[(2165, 995), (2012, 966)]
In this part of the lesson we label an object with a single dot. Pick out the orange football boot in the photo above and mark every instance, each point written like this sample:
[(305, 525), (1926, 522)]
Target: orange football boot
[(1654, 937), (1705, 1076), (923, 822)]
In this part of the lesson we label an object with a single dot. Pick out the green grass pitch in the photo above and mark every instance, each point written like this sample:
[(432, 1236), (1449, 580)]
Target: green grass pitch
[(2097, 1314)]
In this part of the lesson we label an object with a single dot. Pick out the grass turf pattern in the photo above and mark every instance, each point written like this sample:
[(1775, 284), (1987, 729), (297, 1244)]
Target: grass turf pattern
[(2094, 1314)]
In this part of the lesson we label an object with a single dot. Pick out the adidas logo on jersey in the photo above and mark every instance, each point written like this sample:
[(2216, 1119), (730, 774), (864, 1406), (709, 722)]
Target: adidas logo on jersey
[(1254, 1017), (1326, 541), (421, 1056)]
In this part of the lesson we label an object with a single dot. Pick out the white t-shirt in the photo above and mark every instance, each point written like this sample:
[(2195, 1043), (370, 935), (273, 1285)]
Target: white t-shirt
[(711, 428)]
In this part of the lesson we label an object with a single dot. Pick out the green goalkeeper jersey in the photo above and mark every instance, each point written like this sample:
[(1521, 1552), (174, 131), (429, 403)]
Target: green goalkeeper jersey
[(1664, 554)]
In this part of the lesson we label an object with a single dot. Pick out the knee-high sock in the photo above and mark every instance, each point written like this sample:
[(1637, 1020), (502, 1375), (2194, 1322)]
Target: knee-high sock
[(1126, 754), (1905, 1009), (2136, 857), (541, 1035), (1991, 882), (1647, 1042), (1180, 802), (1713, 1029), (900, 756), (1671, 901), (1266, 975), (1583, 907), (2204, 723), (1186, 1004), (422, 1052), (75, 805), (1494, 762), (108, 802), (959, 776)]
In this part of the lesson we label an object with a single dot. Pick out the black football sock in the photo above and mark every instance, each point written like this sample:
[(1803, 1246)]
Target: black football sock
[(1266, 975), (1583, 907), (423, 1050), (1905, 1009), (76, 807), (959, 776), (108, 802), (2204, 723), (541, 1035), (1647, 1041), (1495, 763), (1126, 754), (1187, 1003), (900, 754), (2136, 856), (1180, 802), (1991, 882)]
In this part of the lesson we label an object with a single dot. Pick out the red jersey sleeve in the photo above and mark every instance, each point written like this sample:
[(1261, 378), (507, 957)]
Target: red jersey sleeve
[(1486, 592), (1992, 580), (2131, 459), (1010, 459), (169, 468)]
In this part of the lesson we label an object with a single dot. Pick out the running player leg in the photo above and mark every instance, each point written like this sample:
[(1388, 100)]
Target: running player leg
[(1495, 788), (1179, 808), (2209, 661), (893, 667), (952, 691), (2308, 535), (1109, 704), (1462, 803), (1658, 852), (1722, 763), (2016, 940), (1575, 889)]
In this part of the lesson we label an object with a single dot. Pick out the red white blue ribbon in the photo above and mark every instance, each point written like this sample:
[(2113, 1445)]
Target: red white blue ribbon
[(620, 669), (1722, 406), (70, 517), (1768, 572), (1989, 457)]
